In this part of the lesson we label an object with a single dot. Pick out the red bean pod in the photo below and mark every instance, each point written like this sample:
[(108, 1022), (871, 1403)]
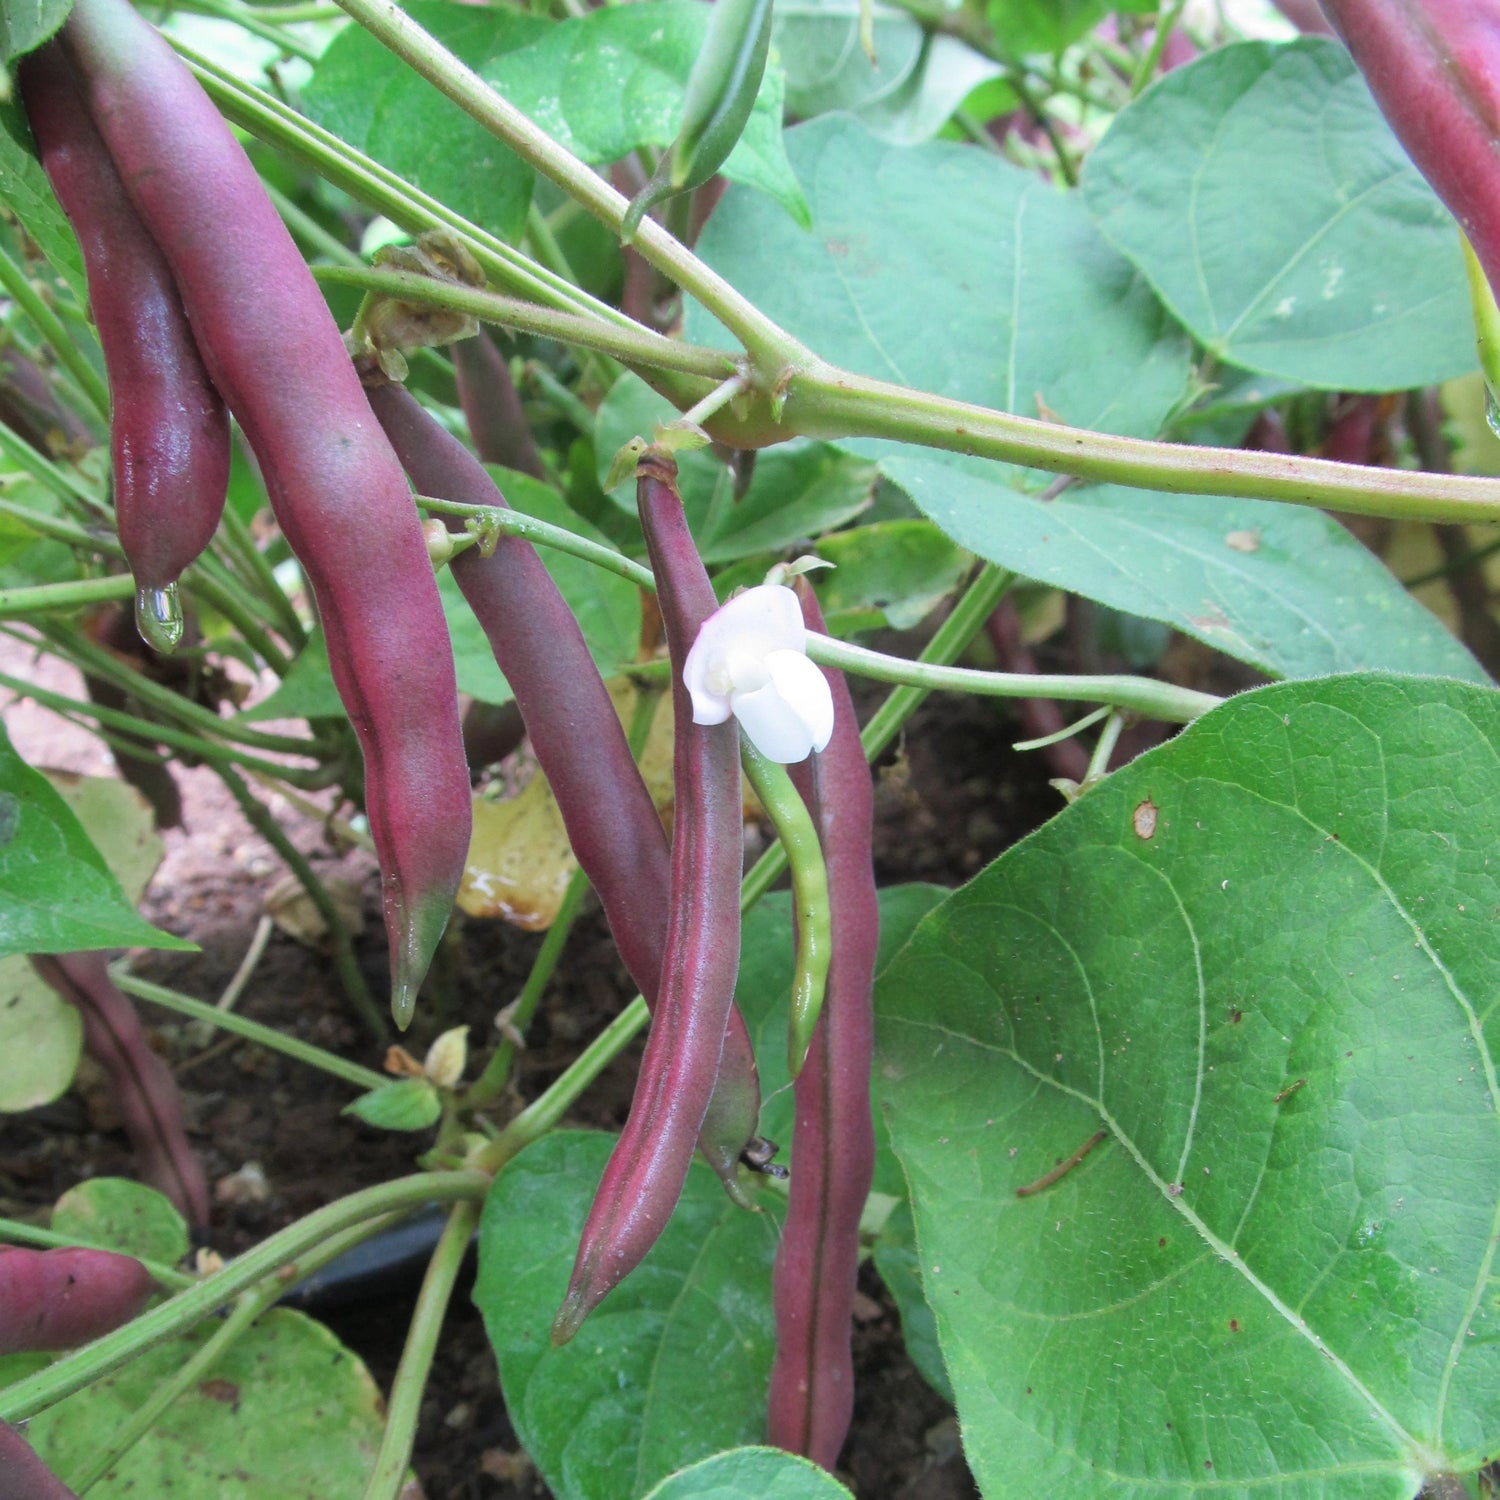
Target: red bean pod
[(611, 821), (142, 1086), (276, 355), (833, 1141), (169, 431), (58, 1299), (492, 405), (649, 1164), (1434, 68), (23, 1476)]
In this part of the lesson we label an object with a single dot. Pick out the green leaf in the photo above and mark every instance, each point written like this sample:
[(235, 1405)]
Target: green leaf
[(907, 95), (406, 1104), (674, 1364), (25, 190), (41, 1037), (603, 85), (899, 569), (1028, 26), (1284, 587), (608, 607), (26, 24), (946, 269), (798, 491), (56, 895), (1267, 201), (307, 690), (1262, 960), (764, 989), (750, 1474), (129, 1217), (287, 1413), (895, 1256)]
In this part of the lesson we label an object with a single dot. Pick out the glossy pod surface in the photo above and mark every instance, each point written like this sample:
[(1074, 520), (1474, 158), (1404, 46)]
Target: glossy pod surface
[(338, 491)]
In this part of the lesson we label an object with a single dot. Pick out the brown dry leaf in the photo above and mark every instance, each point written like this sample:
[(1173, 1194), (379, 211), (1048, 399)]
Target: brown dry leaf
[(291, 908)]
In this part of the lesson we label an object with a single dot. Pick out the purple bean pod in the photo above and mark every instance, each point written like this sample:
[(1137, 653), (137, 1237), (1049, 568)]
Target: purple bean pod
[(276, 355), (649, 1164), (23, 1476), (611, 821), (142, 1085), (833, 1141), (1434, 69), (59, 1299), (169, 431), (492, 405)]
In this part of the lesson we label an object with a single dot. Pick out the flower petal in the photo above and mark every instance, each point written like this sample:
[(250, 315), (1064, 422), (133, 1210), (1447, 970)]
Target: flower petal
[(775, 727), (801, 682), (749, 627)]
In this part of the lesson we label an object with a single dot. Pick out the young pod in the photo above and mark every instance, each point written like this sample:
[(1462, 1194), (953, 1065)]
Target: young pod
[(337, 489), (649, 1164), (492, 405), (142, 1086), (721, 92), (58, 1299), (833, 1141), (169, 432), (580, 746), (1434, 69)]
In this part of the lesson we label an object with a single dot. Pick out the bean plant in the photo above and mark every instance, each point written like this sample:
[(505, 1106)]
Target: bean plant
[(745, 374)]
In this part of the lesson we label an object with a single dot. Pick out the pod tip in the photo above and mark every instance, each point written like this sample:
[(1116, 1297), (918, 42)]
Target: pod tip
[(569, 1318)]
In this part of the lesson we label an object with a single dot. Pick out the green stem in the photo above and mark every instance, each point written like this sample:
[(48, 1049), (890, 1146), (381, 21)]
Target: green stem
[(518, 523), (102, 542), (353, 981), (42, 597), (830, 403), (771, 349), (228, 601), (1143, 695), (562, 397), (364, 1079), (153, 732), (14, 1231), (18, 287), (263, 577), (1166, 21), (94, 1361), (252, 21), (405, 1403), (544, 243), (633, 344), (19, 454), (1109, 737)]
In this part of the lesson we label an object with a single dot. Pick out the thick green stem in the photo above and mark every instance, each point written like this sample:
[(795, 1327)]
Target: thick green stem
[(18, 287), (350, 977), (405, 1403), (84, 1366), (252, 1031), (1143, 695), (771, 349), (830, 403), (43, 597), (633, 344)]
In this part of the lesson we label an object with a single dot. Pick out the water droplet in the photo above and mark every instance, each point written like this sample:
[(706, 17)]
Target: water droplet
[(1491, 409), (158, 617)]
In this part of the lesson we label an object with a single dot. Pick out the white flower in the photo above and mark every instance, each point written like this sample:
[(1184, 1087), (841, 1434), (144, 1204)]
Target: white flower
[(750, 660)]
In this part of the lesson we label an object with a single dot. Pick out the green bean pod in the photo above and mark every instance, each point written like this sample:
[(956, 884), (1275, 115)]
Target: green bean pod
[(833, 1143), (169, 431), (721, 92), (799, 837), (337, 489), (645, 1173)]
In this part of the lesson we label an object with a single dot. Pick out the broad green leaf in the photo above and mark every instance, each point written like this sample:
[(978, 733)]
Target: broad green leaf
[(751, 1474), (765, 987), (25, 191), (798, 490), (26, 24), (1026, 26), (608, 607), (895, 1256), (949, 270), (307, 690), (907, 94), (56, 895), (672, 1366), (404, 1104), (1262, 961), (115, 1213), (1283, 587), (899, 570), (285, 1413), (602, 84), (41, 1037), (120, 825), (1268, 203)]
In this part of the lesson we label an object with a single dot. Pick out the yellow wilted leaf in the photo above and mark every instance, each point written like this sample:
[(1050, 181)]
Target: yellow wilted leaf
[(519, 859)]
